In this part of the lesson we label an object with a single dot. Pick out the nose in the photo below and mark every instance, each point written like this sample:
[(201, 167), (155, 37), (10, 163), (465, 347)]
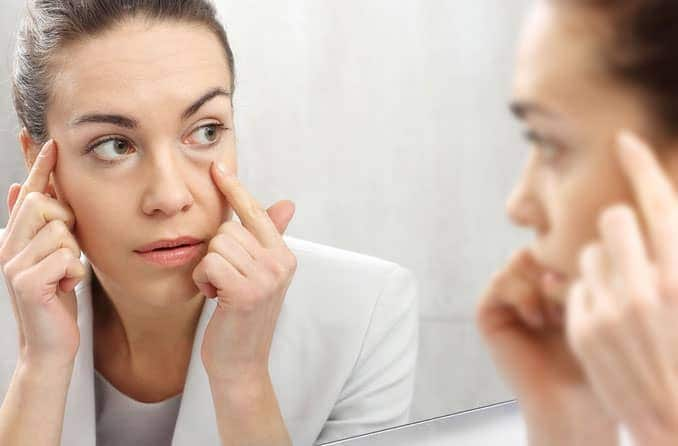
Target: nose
[(522, 205), (167, 192)]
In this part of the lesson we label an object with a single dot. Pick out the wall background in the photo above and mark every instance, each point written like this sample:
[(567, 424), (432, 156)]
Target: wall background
[(386, 122)]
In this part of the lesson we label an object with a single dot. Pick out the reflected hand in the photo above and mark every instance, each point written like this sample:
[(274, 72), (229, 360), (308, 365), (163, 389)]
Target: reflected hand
[(525, 335), (623, 313)]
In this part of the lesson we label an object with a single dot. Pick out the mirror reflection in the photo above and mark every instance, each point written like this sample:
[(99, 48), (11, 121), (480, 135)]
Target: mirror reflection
[(310, 221)]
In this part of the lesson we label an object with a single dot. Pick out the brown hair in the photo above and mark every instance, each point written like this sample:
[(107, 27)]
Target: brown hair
[(644, 51), (49, 25)]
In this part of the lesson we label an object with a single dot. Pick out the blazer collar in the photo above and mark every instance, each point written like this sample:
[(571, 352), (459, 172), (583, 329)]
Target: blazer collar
[(196, 421)]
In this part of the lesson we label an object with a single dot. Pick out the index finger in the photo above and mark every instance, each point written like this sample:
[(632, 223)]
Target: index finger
[(655, 195), (38, 177), (251, 214)]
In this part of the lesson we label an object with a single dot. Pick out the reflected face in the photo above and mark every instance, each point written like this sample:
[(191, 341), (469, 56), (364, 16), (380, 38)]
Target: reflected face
[(572, 109), (138, 114)]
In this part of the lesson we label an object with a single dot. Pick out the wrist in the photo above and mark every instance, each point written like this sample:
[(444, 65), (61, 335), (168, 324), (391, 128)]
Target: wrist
[(245, 391), (44, 374), (247, 410)]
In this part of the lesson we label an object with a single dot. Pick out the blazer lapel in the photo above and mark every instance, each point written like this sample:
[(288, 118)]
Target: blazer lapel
[(79, 427), (197, 421)]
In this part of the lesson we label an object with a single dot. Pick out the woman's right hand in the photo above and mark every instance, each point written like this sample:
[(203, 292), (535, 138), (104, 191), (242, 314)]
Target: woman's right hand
[(40, 262), (525, 334)]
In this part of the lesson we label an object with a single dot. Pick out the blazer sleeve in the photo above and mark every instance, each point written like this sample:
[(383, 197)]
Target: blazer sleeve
[(378, 393)]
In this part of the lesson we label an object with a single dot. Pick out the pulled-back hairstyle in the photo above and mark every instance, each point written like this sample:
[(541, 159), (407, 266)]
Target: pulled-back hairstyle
[(644, 51), (49, 25)]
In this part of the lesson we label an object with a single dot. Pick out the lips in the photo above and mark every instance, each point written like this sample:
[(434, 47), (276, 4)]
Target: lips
[(169, 243)]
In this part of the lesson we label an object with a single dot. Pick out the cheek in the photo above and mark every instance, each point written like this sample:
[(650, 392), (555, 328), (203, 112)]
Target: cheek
[(90, 209), (579, 201), (97, 217)]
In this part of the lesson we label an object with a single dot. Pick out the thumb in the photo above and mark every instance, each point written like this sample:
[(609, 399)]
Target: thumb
[(281, 214)]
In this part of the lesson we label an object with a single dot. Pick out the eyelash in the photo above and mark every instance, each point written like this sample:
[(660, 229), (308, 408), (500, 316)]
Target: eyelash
[(90, 148), (536, 139)]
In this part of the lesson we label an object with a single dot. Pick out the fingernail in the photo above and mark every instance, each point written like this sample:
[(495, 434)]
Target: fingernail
[(220, 168), (47, 148)]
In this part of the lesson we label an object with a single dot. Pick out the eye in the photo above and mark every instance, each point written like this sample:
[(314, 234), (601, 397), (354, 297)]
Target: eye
[(548, 149), (207, 134), (112, 149)]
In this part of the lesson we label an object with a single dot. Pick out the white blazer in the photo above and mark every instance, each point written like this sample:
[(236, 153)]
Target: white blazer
[(342, 360)]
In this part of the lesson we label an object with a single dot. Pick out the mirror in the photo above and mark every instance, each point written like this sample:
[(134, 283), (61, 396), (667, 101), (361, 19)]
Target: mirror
[(386, 123)]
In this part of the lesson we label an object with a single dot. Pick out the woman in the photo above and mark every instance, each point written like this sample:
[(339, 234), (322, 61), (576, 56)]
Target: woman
[(123, 227), (582, 322)]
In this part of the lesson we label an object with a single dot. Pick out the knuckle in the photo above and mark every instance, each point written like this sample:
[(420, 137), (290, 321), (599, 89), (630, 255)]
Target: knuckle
[(58, 229), (229, 226), (33, 199), (614, 216), (255, 210), (65, 254), (211, 260), (273, 265), (17, 282), (278, 269), (8, 270), (4, 256), (216, 242), (291, 262)]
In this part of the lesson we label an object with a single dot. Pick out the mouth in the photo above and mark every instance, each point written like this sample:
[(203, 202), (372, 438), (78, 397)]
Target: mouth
[(174, 253), (169, 244)]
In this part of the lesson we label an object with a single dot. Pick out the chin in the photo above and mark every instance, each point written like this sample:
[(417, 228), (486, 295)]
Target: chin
[(171, 291)]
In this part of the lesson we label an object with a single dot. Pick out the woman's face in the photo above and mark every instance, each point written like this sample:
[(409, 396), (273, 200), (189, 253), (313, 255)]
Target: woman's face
[(572, 109), (138, 114)]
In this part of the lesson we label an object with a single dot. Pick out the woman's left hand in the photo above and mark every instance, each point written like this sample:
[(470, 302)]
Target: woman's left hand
[(248, 269), (622, 315)]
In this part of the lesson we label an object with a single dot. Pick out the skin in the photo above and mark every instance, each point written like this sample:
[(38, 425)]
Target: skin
[(574, 110), (622, 310), (156, 310), (171, 176)]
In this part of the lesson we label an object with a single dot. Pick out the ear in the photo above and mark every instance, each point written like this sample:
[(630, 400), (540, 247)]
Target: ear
[(28, 147), (30, 150)]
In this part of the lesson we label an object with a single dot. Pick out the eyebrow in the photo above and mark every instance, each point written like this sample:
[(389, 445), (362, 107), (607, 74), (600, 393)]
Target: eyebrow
[(131, 123), (521, 109)]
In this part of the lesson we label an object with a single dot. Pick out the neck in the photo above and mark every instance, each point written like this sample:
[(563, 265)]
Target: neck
[(141, 330)]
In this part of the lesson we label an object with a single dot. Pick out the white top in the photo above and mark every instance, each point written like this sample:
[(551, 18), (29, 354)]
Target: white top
[(342, 359), (122, 421)]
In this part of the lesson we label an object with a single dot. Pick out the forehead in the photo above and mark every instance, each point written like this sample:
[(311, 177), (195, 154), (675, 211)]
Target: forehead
[(139, 63), (560, 54)]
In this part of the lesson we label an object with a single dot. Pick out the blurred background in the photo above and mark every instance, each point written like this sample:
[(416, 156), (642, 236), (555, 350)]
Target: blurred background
[(386, 122)]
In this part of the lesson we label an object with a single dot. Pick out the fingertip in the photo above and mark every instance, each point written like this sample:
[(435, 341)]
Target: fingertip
[(13, 196), (291, 209), (47, 148), (630, 146)]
